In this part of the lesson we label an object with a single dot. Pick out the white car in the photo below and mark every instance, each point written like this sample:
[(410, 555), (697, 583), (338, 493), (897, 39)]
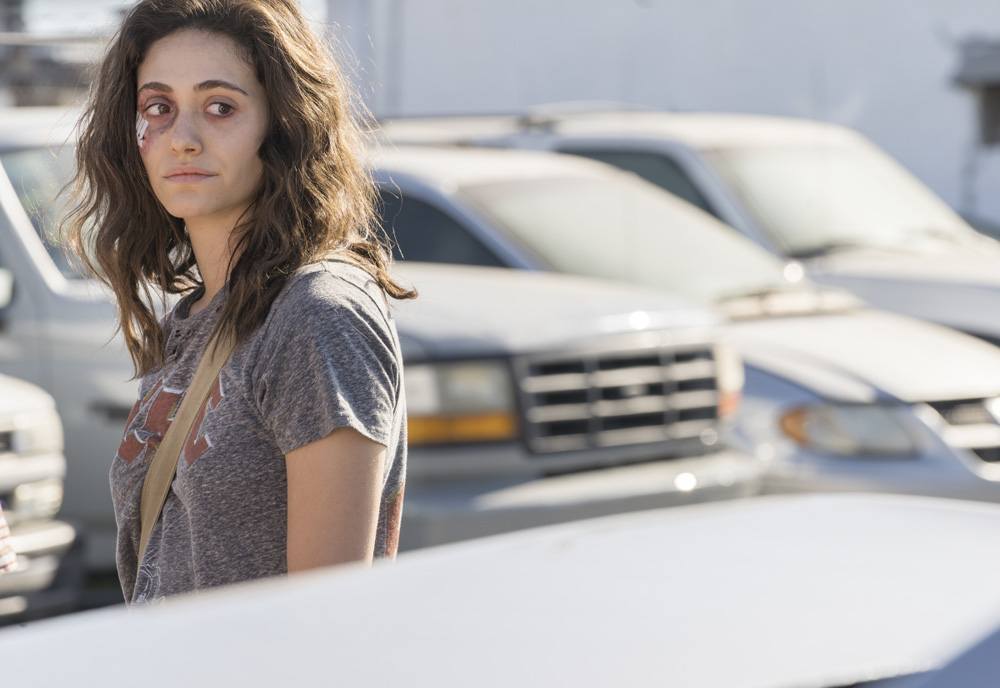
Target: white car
[(532, 399), (838, 395), (811, 192), (47, 578), (819, 591), (976, 667)]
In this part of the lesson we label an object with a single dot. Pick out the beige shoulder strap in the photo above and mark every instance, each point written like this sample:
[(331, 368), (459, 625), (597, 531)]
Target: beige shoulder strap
[(163, 467)]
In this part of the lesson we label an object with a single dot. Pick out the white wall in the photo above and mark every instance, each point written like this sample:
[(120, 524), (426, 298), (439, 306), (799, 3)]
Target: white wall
[(881, 66)]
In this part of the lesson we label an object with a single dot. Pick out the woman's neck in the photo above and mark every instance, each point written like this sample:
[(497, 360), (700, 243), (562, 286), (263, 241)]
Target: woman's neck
[(213, 251)]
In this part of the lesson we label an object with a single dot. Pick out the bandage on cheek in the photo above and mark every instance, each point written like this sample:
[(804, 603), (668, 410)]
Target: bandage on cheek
[(141, 124)]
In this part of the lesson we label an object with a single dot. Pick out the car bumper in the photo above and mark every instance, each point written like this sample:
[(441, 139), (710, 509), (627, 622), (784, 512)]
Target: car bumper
[(948, 473), (435, 514), (48, 576)]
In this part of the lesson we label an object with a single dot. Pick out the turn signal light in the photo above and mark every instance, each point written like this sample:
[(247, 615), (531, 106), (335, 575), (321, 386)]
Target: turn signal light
[(482, 427)]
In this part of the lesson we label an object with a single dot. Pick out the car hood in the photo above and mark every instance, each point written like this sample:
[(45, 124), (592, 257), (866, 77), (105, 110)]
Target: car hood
[(956, 287), (866, 354), (468, 311), (814, 590), (978, 263), (18, 396)]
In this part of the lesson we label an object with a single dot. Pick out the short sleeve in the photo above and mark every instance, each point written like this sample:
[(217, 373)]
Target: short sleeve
[(329, 359)]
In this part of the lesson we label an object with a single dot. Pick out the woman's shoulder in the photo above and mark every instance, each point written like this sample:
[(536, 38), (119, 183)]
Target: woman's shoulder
[(329, 288), (329, 309)]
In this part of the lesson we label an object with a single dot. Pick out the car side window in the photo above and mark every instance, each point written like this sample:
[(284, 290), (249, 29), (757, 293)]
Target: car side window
[(419, 231), (653, 167)]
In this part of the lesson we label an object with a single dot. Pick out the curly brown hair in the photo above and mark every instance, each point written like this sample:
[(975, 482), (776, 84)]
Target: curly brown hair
[(316, 196)]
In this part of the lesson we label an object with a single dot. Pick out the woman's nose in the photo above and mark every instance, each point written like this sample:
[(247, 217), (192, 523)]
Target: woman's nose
[(185, 137)]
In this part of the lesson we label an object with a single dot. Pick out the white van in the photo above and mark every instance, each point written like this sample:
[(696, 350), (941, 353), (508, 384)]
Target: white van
[(811, 192), (532, 399)]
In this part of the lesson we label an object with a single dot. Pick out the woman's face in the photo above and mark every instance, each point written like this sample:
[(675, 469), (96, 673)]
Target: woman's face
[(207, 115)]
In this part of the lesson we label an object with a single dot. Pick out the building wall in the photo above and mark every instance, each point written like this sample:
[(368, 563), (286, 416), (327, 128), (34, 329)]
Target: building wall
[(883, 67)]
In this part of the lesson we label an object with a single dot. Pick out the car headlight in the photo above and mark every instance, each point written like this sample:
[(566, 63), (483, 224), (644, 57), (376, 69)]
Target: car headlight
[(460, 402), (35, 501), (37, 433), (849, 429), (729, 377)]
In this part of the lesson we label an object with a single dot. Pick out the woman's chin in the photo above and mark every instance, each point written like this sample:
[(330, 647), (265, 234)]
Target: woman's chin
[(195, 214)]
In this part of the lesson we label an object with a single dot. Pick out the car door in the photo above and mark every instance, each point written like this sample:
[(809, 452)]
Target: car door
[(422, 232), (426, 226)]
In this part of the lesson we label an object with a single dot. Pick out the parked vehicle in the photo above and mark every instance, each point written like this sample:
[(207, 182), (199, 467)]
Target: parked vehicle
[(532, 398), (48, 576), (822, 591), (838, 396), (811, 192), (975, 667)]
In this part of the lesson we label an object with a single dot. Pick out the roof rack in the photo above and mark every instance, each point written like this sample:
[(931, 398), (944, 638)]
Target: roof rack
[(546, 115)]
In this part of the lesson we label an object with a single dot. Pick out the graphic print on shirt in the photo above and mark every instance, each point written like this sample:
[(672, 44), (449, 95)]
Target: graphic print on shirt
[(198, 442), (157, 409), (152, 415)]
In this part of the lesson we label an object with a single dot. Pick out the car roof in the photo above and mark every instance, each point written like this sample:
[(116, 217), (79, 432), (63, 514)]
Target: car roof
[(814, 590), (698, 130), (471, 166)]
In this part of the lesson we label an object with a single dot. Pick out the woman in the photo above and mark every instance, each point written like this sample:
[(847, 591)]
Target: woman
[(241, 187)]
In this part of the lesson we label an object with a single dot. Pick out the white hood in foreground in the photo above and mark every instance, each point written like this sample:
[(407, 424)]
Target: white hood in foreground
[(778, 591)]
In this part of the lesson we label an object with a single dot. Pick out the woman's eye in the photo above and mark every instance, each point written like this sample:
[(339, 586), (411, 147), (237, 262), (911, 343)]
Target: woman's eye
[(157, 109), (220, 108)]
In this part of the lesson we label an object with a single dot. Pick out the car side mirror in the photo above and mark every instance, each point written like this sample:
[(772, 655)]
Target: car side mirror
[(6, 287)]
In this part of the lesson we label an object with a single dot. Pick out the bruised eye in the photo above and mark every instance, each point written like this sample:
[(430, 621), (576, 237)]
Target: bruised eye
[(156, 109), (220, 108)]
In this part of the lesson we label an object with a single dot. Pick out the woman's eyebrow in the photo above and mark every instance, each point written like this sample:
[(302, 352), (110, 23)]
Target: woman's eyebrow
[(203, 86), (219, 83), (154, 86)]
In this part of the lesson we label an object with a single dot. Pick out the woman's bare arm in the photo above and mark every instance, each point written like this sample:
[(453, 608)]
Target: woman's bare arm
[(334, 490)]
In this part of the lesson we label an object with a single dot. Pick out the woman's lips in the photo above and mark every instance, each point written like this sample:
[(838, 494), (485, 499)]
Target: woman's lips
[(188, 175)]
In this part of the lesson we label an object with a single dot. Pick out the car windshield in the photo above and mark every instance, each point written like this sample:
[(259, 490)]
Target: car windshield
[(38, 174), (816, 199), (624, 229)]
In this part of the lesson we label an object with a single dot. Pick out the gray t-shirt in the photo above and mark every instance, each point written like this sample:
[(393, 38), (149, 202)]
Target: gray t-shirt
[(327, 356)]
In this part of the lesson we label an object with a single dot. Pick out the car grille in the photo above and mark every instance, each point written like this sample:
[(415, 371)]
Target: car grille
[(614, 398), (988, 454), (964, 412), (967, 416)]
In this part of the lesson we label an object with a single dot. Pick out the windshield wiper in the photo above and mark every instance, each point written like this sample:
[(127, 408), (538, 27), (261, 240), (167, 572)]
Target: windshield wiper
[(760, 292), (828, 248), (949, 235)]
